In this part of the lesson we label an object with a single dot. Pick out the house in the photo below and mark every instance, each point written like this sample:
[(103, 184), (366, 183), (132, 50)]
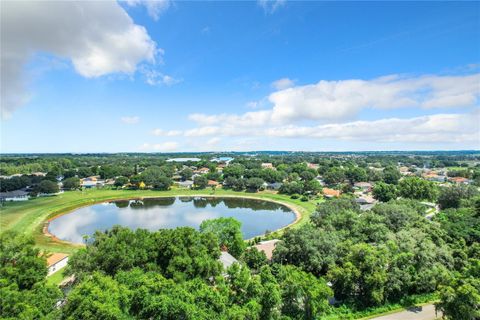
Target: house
[(365, 199), (273, 185), (227, 259), (267, 165), (56, 262), (185, 184), (330, 193), (459, 180), (433, 176), (184, 160), (225, 160), (17, 195), (267, 247), (92, 182), (203, 170), (212, 183), (313, 166), (363, 186)]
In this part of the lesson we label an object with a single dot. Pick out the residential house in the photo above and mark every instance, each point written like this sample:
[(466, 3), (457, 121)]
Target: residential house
[(313, 166), (185, 184), (213, 183), (272, 185), (331, 193), (92, 182), (267, 165), (203, 170), (459, 180), (227, 259), (365, 187), (267, 247), (56, 262), (16, 195)]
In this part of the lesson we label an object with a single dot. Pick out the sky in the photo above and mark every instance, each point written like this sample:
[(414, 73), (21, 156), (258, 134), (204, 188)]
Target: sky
[(175, 76)]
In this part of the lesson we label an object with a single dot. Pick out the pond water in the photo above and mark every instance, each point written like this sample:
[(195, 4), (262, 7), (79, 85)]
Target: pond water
[(256, 216)]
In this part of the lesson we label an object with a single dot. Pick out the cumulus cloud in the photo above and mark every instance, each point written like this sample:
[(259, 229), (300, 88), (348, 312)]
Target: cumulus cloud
[(283, 83), (130, 120), (166, 133), (270, 6), (439, 128), (155, 8), (168, 146), (98, 37), (335, 101)]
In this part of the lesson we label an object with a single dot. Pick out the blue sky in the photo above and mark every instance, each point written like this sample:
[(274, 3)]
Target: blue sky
[(218, 76)]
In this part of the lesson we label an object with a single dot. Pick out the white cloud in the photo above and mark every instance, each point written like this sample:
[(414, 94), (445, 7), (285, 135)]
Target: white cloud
[(168, 146), (130, 120), (270, 6), (98, 37), (154, 77), (439, 128), (283, 83), (334, 101), (154, 7), (164, 133)]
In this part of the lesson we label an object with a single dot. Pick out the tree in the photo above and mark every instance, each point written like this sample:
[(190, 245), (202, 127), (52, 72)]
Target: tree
[(47, 186), (253, 184), (98, 297), (362, 276), (333, 176), (120, 181), (234, 170), (24, 292), (186, 174), (356, 174), (254, 258), (162, 183), (450, 197), (294, 187), (391, 175), (200, 182), (303, 295), (71, 183), (228, 231), (417, 188), (384, 192), (460, 300)]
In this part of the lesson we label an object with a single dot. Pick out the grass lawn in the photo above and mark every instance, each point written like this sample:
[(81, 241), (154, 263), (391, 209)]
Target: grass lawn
[(30, 216), (57, 277)]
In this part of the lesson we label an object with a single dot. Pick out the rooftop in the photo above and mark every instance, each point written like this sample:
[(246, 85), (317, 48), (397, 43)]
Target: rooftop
[(55, 258)]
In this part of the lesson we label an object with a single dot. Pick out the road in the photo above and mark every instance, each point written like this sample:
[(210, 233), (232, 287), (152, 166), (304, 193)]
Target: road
[(426, 312)]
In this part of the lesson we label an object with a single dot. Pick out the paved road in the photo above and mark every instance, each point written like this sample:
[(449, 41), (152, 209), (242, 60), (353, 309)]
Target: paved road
[(426, 312)]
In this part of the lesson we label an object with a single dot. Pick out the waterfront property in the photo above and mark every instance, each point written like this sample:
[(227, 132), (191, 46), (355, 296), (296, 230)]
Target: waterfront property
[(56, 262)]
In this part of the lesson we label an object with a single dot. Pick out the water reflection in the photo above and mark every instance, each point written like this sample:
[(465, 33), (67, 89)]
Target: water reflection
[(256, 216)]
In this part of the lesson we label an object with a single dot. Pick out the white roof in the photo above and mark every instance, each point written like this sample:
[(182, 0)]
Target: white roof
[(227, 259)]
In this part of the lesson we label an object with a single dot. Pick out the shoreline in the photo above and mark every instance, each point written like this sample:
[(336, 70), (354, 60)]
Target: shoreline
[(51, 236)]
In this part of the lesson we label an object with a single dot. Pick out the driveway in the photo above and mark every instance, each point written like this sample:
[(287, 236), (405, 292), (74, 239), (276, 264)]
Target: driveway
[(426, 312)]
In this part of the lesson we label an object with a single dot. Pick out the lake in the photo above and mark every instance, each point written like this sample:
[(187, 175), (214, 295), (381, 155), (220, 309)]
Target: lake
[(256, 216)]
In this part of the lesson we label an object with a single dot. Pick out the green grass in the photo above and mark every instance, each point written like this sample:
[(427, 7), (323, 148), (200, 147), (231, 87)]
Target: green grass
[(30, 216), (57, 277)]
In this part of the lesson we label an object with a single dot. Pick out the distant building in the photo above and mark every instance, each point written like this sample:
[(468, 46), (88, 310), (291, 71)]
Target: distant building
[(267, 165), (313, 166), (226, 160), (272, 186), (330, 193), (186, 184), (92, 182), (459, 180), (203, 170), (213, 183), (184, 160), (363, 186), (17, 195), (56, 262)]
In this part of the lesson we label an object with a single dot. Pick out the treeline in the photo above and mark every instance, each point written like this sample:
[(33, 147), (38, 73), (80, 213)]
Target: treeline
[(343, 262)]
